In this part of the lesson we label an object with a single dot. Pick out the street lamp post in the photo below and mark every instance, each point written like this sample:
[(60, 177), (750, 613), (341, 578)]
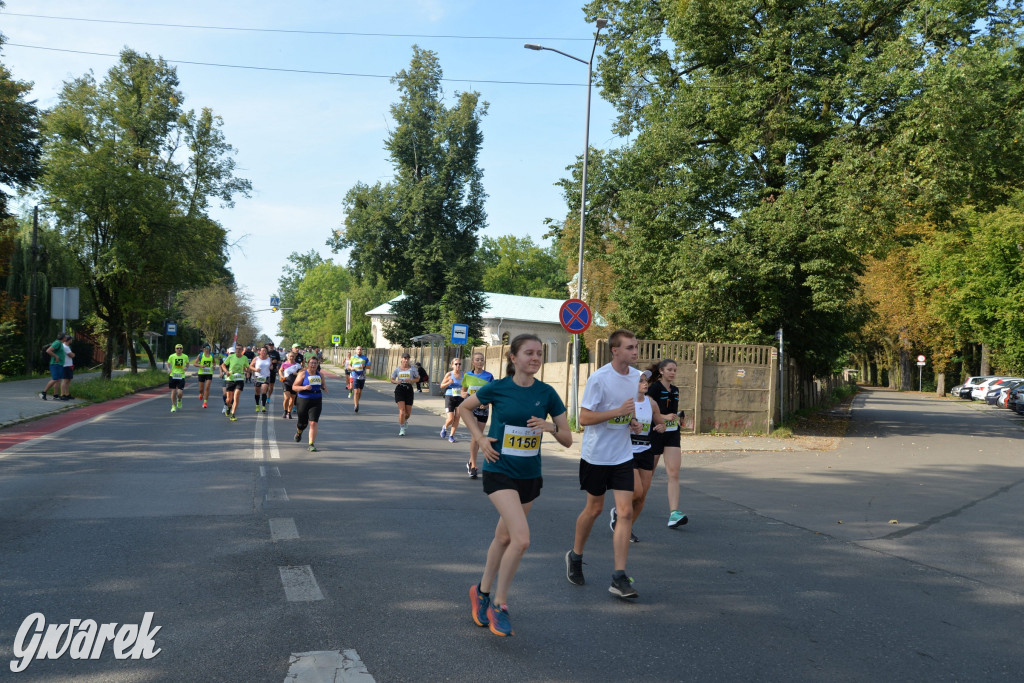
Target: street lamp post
[(600, 23), (30, 311)]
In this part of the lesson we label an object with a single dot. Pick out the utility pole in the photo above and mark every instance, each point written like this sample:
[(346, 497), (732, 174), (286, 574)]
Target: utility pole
[(30, 311)]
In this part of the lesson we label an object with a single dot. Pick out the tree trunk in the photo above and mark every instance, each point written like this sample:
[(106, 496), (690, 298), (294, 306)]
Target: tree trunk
[(986, 368), (940, 383), (108, 358), (906, 372), (149, 353)]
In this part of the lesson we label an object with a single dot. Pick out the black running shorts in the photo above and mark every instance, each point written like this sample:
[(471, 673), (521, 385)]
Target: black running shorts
[(670, 439), (644, 461), (598, 479), (528, 489), (173, 383), (403, 394), (452, 403)]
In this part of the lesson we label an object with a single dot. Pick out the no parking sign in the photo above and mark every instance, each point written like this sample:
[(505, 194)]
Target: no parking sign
[(575, 316)]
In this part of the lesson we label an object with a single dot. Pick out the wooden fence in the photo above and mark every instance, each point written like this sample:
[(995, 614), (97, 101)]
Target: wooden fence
[(723, 388)]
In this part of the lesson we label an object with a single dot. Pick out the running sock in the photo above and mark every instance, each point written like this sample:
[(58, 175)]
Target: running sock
[(574, 556), (619, 574), (480, 592)]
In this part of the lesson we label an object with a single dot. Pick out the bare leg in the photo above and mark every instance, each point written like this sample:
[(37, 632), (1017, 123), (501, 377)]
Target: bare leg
[(511, 539), (673, 459), (641, 485), (585, 522), (623, 527)]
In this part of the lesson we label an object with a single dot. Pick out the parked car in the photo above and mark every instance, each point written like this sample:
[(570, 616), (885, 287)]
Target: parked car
[(970, 383), (979, 391), (999, 391), (1015, 401)]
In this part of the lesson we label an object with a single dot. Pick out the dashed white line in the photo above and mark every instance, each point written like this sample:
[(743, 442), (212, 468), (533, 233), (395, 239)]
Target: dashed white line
[(277, 494), (327, 666), (272, 440), (299, 584), (283, 529), (257, 441), (263, 471)]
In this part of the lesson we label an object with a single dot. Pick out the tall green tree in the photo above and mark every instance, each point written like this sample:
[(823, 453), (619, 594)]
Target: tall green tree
[(516, 265), (773, 146), (418, 233), (295, 269), (130, 175), (320, 301), (19, 135)]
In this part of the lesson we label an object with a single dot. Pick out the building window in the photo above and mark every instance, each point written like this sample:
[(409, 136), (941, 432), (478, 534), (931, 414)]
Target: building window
[(504, 338)]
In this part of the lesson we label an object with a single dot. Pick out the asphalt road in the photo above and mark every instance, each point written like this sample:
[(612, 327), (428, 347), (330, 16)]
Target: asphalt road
[(187, 516)]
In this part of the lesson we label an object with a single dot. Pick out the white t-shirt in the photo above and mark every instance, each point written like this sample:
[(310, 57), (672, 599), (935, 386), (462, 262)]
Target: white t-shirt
[(68, 360), (608, 443)]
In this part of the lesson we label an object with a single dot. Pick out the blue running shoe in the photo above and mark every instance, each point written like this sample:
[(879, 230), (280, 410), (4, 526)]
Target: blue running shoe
[(497, 618), (479, 604)]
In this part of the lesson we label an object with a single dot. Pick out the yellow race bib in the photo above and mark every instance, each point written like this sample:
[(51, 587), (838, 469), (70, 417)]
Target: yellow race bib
[(521, 442)]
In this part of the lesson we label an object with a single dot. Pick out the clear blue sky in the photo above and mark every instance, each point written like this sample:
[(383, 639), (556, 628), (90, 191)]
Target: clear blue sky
[(305, 139)]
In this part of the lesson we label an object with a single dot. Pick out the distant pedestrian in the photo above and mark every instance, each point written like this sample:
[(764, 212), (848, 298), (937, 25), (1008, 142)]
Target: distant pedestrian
[(666, 395), (311, 387), (471, 383), (360, 364), (69, 371), (424, 378), (177, 367), (452, 385), (56, 353), (403, 376)]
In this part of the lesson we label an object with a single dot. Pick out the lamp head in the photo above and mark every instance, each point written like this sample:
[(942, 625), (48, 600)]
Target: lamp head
[(532, 46), (601, 22)]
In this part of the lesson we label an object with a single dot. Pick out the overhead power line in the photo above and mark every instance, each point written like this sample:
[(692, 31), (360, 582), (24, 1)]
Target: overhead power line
[(285, 30), (294, 71)]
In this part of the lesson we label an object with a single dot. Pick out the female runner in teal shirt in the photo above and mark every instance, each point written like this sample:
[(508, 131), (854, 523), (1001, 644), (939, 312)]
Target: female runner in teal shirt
[(512, 474)]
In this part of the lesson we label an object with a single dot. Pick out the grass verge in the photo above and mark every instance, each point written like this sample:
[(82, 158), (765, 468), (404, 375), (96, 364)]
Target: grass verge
[(98, 389)]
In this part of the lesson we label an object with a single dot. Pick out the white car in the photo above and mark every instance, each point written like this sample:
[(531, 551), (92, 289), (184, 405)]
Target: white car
[(979, 391), (970, 383)]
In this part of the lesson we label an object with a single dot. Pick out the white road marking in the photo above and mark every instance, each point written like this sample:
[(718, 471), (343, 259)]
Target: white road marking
[(327, 666), (257, 440), (283, 529), (299, 584), (272, 440), (263, 471), (277, 494)]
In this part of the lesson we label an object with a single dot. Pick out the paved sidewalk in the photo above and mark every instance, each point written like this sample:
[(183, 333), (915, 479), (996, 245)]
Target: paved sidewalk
[(20, 402), (690, 443)]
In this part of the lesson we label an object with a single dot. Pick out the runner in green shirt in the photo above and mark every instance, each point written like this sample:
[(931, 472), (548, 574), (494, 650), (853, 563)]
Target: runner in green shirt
[(236, 366), (204, 363), (177, 366)]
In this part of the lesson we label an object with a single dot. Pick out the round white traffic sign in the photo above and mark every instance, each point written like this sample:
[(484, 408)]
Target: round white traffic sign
[(920, 359)]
